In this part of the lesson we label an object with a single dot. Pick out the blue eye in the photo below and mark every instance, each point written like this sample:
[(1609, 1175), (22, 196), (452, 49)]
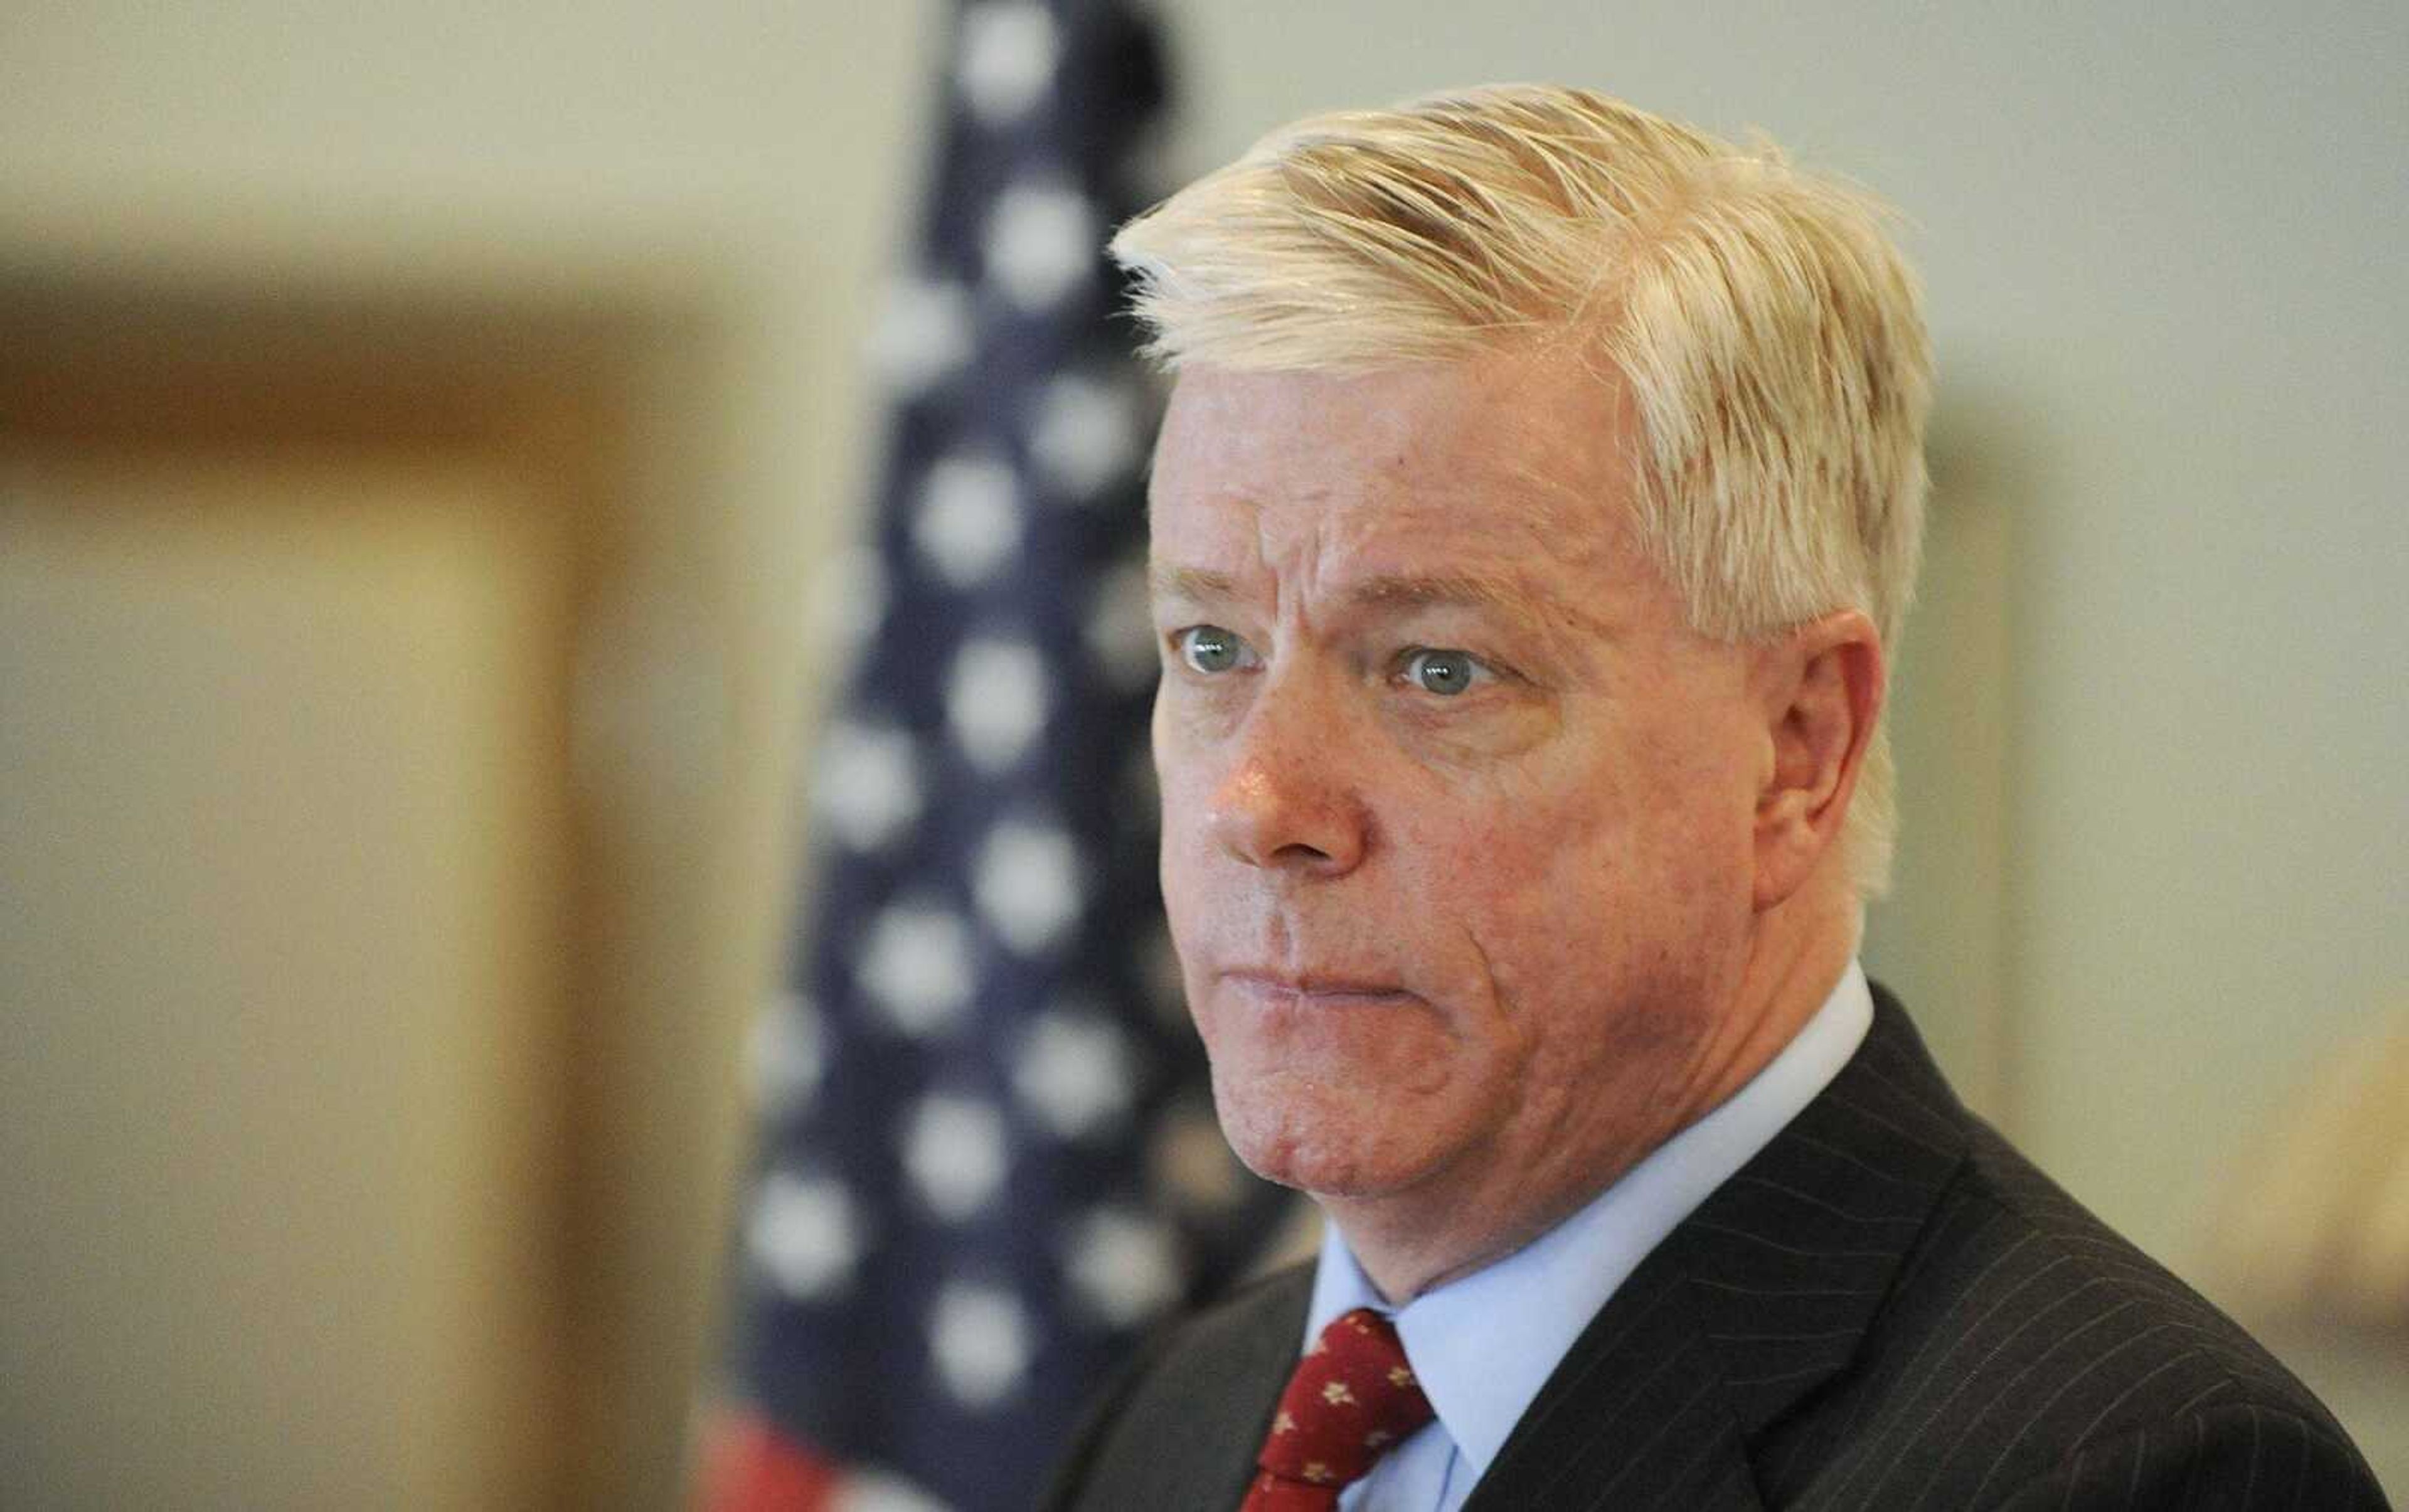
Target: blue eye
[(1446, 673), (1209, 648)]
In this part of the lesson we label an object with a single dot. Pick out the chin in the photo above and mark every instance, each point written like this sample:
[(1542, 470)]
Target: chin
[(1324, 1144)]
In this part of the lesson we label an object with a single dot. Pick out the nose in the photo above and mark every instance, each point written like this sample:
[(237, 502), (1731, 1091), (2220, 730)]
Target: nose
[(1290, 798)]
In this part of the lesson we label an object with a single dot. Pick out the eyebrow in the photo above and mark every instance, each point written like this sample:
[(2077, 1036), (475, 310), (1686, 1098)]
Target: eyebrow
[(1442, 591), (1496, 593), (1191, 582)]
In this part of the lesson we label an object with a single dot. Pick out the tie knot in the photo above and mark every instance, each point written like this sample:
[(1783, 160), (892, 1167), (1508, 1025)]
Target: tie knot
[(1352, 1396)]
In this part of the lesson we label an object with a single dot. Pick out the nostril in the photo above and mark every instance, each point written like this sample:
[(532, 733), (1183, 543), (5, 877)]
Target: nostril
[(1289, 799), (1275, 826)]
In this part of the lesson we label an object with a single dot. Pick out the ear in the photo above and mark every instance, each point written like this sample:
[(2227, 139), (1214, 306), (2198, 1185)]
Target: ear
[(1820, 690)]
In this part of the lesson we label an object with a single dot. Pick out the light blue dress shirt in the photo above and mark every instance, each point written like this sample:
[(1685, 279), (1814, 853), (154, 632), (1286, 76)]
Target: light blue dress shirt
[(1483, 1345)]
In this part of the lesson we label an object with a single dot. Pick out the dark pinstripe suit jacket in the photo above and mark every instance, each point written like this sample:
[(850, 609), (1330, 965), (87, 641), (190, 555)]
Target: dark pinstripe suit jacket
[(1887, 1309)]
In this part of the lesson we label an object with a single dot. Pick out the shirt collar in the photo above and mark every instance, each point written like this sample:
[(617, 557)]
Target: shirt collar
[(1484, 1344)]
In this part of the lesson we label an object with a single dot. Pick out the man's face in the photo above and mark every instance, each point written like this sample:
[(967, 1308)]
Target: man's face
[(1457, 813)]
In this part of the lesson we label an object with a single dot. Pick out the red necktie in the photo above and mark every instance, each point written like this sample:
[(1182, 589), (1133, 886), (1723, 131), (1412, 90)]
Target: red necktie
[(1352, 1396)]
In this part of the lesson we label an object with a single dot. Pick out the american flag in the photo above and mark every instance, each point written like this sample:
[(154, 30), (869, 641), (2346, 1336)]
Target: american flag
[(988, 1159)]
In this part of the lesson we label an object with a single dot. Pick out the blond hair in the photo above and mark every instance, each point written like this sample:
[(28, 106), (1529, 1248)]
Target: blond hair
[(1765, 327)]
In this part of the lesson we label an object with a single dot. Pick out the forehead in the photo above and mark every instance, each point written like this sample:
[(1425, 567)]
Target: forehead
[(1506, 459)]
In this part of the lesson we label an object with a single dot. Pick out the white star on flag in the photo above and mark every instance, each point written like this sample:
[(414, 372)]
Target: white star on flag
[(867, 790), (803, 1234), (954, 1150), (1006, 59), (923, 334), (969, 522), (1029, 883), (1072, 1071), (918, 967), (1086, 435), (996, 700), (878, 1492), (980, 1338), (1124, 1266), (1041, 244)]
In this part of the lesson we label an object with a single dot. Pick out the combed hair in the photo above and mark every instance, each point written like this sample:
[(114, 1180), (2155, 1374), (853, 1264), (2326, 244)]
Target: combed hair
[(1766, 329)]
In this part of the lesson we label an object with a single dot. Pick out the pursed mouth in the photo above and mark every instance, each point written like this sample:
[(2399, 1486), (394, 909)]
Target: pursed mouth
[(1317, 989)]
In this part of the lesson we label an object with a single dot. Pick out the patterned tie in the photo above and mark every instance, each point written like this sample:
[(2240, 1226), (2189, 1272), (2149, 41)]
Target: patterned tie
[(1351, 1397)]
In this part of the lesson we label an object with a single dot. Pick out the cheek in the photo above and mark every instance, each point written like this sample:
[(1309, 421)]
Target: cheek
[(1594, 881), (1179, 799), (1491, 899), (1181, 849)]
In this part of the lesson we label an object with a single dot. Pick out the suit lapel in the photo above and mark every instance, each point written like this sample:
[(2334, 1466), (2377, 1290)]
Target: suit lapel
[(1635, 1416), (1751, 1302), (1185, 1440), (1226, 1431)]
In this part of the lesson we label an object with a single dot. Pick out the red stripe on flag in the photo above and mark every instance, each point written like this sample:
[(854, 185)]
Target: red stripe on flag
[(749, 1466)]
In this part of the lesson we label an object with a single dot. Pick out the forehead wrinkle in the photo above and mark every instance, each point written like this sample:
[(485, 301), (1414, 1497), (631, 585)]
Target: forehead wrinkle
[(1515, 596), (1571, 522)]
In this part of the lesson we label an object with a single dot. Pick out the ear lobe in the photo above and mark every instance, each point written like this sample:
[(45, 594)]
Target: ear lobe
[(1824, 685)]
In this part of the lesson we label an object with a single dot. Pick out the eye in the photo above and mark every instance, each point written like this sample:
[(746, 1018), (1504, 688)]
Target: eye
[(1209, 649), (1446, 673)]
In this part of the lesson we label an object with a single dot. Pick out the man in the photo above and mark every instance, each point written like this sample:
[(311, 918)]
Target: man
[(1536, 506)]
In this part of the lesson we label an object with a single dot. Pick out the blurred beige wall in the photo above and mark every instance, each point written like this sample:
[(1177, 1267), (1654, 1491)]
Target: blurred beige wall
[(361, 188), (270, 944), (2155, 884)]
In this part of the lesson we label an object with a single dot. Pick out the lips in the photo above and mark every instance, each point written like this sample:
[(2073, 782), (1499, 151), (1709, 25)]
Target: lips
[(1334, 989)]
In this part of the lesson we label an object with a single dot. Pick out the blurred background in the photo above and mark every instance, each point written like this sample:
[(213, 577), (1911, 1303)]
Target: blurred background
[(423, 436)]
